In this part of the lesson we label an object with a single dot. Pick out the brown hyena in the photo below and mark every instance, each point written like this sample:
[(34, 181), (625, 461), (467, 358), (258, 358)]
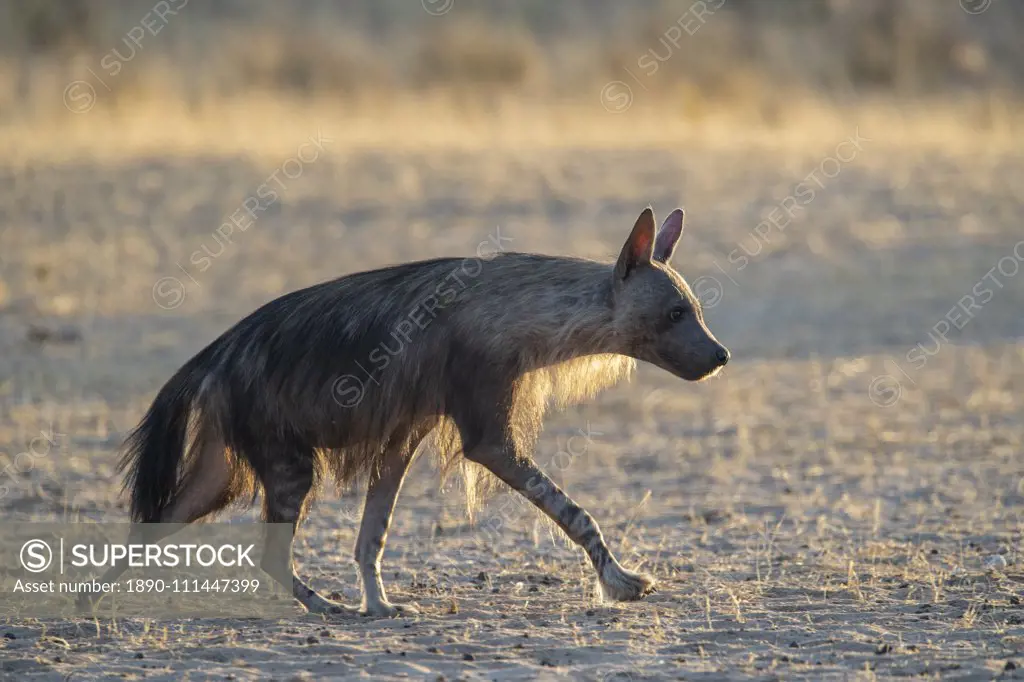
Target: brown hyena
[(346, 378)]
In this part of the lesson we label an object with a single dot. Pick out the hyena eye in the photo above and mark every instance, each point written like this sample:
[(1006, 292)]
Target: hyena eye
[(677, 314)]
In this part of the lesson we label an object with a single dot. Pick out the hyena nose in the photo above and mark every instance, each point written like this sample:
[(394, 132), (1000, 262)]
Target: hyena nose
[(723, 355)]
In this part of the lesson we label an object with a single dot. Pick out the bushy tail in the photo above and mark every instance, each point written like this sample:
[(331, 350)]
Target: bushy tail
[(154, 452)]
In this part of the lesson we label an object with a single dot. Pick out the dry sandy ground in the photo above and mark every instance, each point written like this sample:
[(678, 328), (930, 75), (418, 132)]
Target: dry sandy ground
[(805, 519)]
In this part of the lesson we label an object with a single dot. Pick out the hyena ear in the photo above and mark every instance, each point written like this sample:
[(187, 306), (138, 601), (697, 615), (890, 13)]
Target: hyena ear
[(639, 248), (668, 236)]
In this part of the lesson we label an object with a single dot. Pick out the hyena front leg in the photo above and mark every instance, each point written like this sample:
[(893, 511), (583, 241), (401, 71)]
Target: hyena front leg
[(381, 495), (525, 477)]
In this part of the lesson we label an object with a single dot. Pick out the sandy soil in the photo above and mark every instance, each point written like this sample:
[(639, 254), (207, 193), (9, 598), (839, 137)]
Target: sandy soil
[(806, 519)]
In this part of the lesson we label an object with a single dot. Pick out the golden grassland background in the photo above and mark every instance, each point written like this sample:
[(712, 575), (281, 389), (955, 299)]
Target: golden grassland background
[(109, 77)]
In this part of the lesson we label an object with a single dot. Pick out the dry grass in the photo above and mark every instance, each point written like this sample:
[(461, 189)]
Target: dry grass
[(694, 59), (271, 127)]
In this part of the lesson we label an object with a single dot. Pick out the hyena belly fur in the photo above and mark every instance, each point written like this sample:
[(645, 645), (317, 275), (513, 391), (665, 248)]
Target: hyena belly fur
[(347, 378)]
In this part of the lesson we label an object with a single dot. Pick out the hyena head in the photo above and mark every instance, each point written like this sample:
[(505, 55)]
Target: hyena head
[(654, 310)]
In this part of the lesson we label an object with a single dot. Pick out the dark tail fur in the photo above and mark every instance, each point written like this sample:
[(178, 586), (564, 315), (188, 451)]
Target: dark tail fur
[(155, 451)]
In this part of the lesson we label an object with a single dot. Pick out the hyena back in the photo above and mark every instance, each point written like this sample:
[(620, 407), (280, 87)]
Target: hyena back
[(346, 378)]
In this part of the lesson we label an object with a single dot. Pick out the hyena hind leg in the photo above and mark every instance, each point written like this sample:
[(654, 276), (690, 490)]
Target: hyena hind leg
[(206, 489), (287, 478), (381, 496)]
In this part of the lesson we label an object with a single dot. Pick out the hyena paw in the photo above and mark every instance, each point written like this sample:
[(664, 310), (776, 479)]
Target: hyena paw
[(621, 585), (329, 607), (385, 609)]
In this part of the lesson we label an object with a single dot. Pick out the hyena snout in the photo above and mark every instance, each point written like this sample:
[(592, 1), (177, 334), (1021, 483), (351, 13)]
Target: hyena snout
[(715, 357), (694, 361), (701, 355)]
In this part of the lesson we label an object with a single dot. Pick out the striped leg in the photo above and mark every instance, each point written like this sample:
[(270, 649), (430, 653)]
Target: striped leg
[(287, 482), (525, 477)]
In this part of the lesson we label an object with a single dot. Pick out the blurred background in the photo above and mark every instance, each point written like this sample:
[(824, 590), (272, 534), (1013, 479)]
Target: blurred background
[(753, 59), (853, 174)]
